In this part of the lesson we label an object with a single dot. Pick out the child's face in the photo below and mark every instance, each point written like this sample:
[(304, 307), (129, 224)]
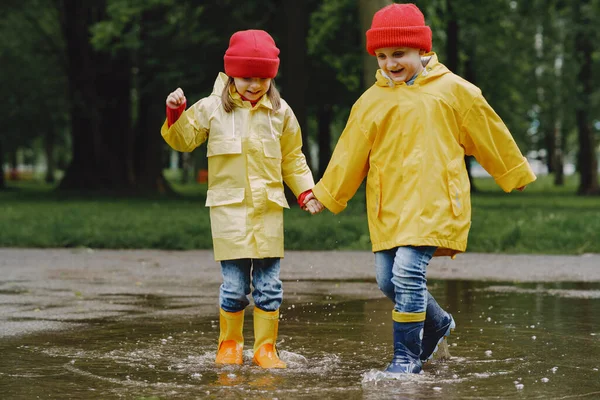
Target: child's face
[(252, 88), (399, 63)]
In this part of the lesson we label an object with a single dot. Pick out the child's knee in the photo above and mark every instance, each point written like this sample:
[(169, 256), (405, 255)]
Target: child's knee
[(387, 287)]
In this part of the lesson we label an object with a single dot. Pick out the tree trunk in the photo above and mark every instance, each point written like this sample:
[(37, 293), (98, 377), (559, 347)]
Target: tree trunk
[(452, 57), (324, 116), (558, 162), (295, 64), (366, 10), (550, 140), (452, 30), (147, 145), (2, 181), (49, 141), (14, 166), (105, 150), (584, 47)]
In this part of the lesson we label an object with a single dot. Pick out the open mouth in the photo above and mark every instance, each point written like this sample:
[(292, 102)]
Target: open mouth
[(396, 71)]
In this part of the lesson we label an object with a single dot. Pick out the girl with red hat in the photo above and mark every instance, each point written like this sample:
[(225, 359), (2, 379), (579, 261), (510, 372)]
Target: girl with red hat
[(254, 145), (408, 135)]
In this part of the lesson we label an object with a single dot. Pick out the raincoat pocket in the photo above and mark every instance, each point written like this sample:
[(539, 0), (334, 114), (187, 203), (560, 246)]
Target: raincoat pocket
[(227, 212), (219, 147), (278, 197), (272, 148), (274, 213), (458, 186)]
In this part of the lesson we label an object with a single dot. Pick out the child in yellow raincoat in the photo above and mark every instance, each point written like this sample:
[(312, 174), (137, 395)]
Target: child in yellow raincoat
[(408, 135), (254, 145)]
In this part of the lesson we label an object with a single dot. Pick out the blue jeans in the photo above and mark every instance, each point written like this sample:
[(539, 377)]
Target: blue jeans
[(401, 276), (267, 293)]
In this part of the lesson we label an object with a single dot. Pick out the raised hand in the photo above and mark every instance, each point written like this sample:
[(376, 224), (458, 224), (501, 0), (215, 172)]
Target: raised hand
[(176, 99)]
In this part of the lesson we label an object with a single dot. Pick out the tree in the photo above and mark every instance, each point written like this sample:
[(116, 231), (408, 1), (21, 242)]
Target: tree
[(548, 42), (294, 63), (33, 79), (584, 49), (336, 69), (100, 83), (366, 10), (452, 62)]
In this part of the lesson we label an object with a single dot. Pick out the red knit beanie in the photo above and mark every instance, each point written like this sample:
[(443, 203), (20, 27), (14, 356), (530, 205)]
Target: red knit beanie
[(401, 25), (251, 54)]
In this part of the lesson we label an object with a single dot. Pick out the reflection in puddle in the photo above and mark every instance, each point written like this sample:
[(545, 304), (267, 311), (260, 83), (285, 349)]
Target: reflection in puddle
[(538, 341)]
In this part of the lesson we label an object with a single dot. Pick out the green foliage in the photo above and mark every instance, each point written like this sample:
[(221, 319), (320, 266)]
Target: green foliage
[(334, 42), (175, 43), (541, 220), (33, 78)]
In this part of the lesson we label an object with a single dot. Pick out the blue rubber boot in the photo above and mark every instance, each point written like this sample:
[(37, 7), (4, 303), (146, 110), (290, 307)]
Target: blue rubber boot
[(438, 325), (407, 348)]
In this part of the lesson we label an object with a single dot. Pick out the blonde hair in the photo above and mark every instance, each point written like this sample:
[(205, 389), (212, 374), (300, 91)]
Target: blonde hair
[(228, 103)]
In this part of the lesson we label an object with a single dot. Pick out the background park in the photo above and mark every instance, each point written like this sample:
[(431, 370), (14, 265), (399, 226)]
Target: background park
[(84, 87), (84, 168)]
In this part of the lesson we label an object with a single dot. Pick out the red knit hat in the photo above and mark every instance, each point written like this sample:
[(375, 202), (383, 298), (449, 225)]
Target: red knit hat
[(400, 25), (251, 54)]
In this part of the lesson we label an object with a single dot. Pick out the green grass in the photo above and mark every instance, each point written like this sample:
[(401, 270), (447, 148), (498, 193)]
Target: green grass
[(543, 219)]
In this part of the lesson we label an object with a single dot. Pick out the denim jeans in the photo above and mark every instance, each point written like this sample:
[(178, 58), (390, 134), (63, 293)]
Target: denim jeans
[(267, 293), (401, 276)]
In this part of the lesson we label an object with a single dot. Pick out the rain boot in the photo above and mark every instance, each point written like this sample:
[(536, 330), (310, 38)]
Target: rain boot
[(407, 346), (438, 325), (266, 324), (231, 338)]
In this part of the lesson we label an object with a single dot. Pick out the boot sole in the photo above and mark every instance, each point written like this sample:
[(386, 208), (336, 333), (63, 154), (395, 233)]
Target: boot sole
[(451, 327)]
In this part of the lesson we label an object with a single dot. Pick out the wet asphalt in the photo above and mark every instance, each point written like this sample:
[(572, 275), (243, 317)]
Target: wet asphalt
[(58, 289)]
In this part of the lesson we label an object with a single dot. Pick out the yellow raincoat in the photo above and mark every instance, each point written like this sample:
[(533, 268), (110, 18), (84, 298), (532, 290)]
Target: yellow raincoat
[(410, 143), (251, 151)]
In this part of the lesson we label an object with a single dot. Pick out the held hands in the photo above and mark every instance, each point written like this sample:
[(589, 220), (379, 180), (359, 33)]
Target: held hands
[(176, 99), (312, 205)]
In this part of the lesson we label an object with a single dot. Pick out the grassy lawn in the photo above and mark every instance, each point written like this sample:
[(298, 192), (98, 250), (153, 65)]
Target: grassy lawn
[(543, 219)]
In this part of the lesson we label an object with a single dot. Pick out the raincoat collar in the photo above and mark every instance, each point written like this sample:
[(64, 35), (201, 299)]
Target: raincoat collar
[(220, 83), (432, 70)]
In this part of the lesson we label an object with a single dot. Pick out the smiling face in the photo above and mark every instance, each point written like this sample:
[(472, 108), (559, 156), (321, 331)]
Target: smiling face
[(399, 63), (252, 88)]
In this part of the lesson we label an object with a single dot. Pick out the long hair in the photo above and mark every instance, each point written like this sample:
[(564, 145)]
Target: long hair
[(228, 103)]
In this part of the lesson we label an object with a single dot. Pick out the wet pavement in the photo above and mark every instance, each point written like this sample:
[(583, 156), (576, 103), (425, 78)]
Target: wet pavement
[(143, 325)]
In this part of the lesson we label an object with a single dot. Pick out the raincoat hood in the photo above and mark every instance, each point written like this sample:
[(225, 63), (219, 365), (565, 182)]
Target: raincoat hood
[(432, 70), (221, 82)]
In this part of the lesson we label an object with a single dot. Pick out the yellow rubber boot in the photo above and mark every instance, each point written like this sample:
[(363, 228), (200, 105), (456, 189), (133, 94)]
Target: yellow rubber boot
[(231, 338), (266, 324)]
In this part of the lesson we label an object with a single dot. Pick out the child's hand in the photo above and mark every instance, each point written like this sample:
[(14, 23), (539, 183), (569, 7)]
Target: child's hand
[(312, 205), (175, 99)]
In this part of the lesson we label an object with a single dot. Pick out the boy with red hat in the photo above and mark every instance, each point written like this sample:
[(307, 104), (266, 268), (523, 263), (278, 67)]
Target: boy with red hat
[(408, 135), (254, 145)]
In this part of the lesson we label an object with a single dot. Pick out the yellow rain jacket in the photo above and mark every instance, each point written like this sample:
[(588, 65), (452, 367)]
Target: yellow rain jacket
[(251, 152), (410, 143)]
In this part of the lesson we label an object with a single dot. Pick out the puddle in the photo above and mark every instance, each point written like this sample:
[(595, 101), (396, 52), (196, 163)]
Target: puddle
[(512, 341)]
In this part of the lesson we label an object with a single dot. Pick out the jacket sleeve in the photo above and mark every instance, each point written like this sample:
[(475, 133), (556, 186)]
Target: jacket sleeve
[(484, 136), (190, 130), (173, 114), (348, 166), (295, 171)]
